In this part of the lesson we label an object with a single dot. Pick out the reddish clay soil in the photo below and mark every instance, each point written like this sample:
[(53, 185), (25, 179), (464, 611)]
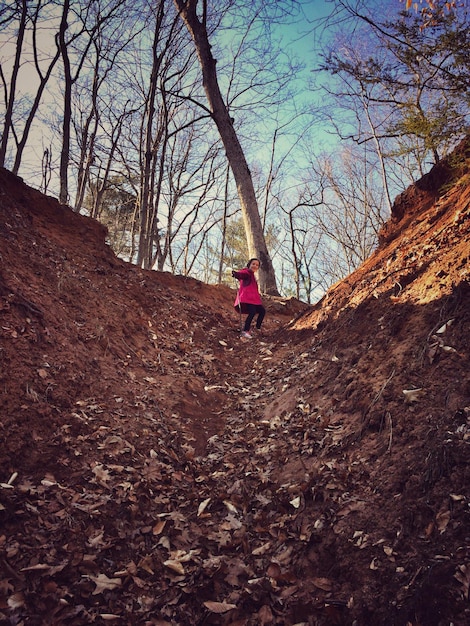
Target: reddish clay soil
[(157, 470)]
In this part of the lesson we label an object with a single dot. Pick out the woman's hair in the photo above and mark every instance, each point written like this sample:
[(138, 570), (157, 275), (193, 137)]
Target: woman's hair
[(251, 260)]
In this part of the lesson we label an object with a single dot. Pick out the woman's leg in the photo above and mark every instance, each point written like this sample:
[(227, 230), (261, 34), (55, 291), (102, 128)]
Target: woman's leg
[(261, 313), (251, 313)]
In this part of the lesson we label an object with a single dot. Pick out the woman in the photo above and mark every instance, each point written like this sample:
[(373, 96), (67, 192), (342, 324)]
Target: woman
[(248, 300)]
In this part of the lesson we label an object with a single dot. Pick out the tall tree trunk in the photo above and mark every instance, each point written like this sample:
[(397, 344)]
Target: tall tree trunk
[(150, 145), (8, 122), (235, 155), (65, 151)]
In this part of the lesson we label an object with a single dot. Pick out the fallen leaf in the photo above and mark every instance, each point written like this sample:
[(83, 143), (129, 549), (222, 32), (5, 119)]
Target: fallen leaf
[(261, 549), (101, 474), (36, 568), (219, 607), (274, 571), (323, 583), (442, 519), (444, 327), (103, 583), (230, 506), (463, 576), (12, 478), (202, 506), (175, 566), (449, 349), (265, 615), (158, 528), (16, 601), (147, 564), (412, 395), (351, 507), (97, 540)]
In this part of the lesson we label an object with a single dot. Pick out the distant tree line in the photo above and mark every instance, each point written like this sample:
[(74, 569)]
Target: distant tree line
[(298, 154)]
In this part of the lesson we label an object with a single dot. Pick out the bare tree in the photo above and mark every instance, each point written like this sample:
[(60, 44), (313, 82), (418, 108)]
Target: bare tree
[(100, 107), (11, 93), (352, 209), (46, 169), (305, 241), (91, 20), (62, 47), (235, 155), (99, 169), (191, 199)]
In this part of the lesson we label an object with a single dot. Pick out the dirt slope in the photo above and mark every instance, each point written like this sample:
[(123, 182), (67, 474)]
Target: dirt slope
[(155, 469)]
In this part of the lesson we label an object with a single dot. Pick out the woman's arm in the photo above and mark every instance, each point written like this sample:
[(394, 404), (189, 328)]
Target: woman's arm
[(241, 274)]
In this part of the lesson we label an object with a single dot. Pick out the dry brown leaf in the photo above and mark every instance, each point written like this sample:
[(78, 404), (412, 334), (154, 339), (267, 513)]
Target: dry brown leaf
[(152, 470), (351, 507), (274, 571), (175, 565), (323, 583), (449, 349), (295, 502), (412, 395), (230, 506), (16, 601), (37, 567), (131, 569), (103, 583), (44, 567), (219, 607), (12, 478), (202, 506), (147, 564), (444, 327), (150, 379), (265, 615), (463, 576), (429, 530), (442, 519), (158, 528), (101, 474), (96, 540), (261, 549), (285, 556)]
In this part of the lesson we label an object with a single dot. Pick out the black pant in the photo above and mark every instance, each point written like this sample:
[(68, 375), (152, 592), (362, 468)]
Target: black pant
[(254, 309)]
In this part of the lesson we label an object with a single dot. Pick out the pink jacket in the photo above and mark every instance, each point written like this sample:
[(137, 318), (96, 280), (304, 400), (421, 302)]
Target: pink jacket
[(248, 290)]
